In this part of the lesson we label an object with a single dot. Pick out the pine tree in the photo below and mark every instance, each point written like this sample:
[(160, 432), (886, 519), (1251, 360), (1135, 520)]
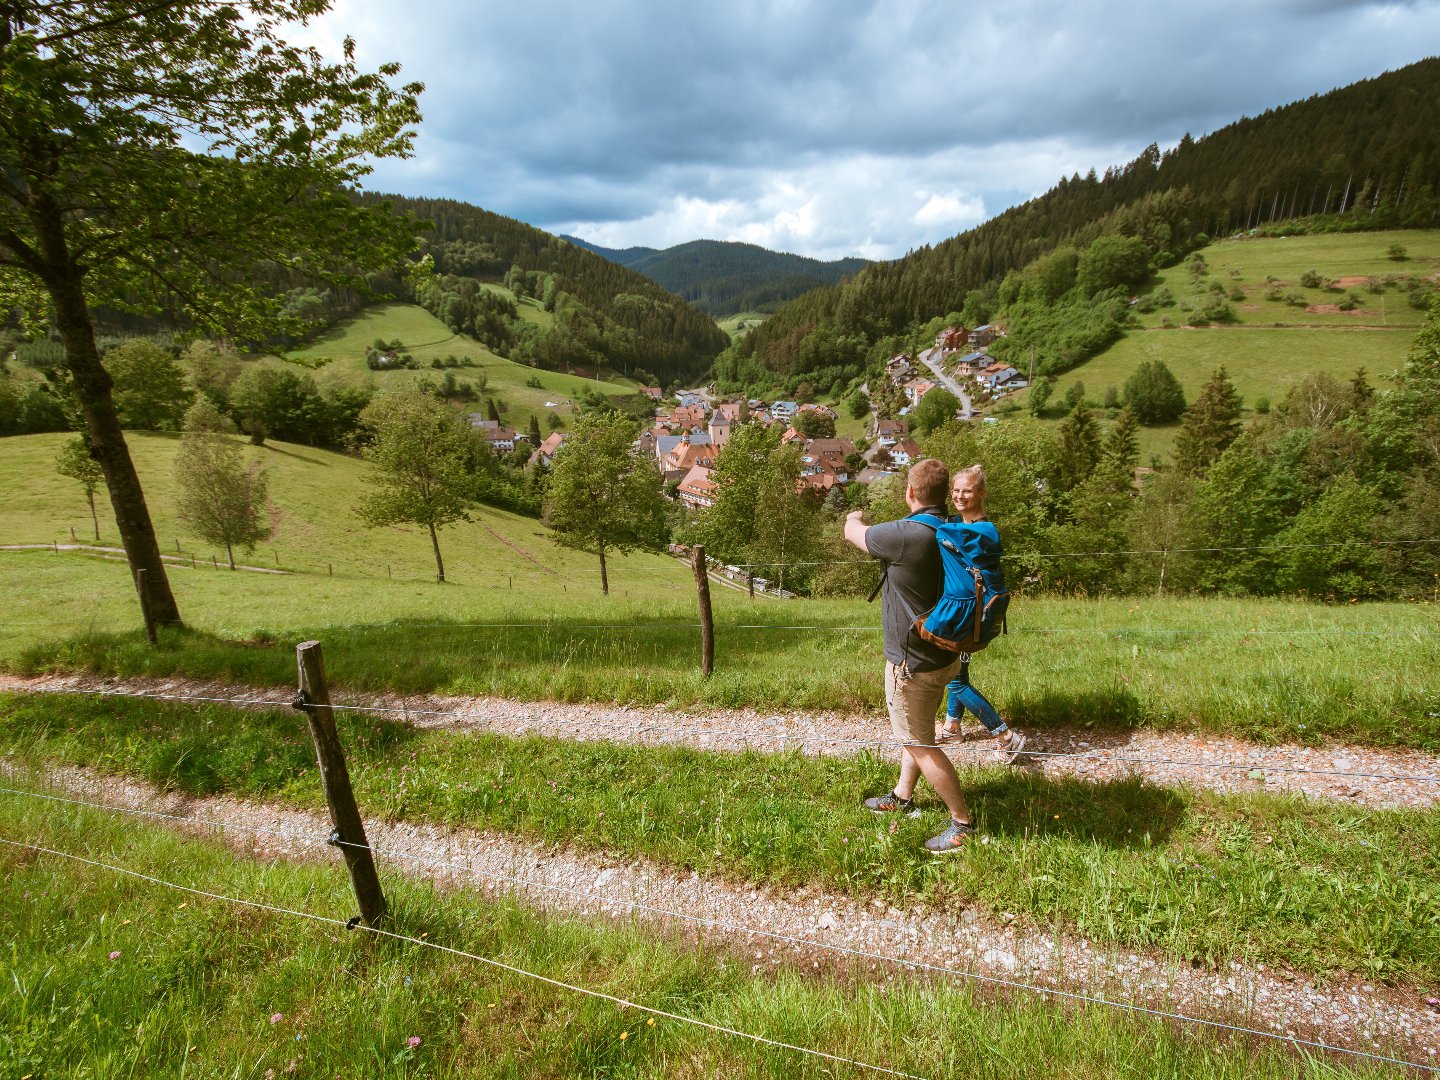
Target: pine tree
[(1078, 447), (1121, 452), (1210, 424), (534, 431)]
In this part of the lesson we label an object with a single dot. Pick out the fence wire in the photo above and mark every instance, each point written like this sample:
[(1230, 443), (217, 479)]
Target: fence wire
[(720, 924)]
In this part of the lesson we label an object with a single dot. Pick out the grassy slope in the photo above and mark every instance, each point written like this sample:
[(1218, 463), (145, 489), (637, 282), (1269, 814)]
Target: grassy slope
[(425, 337), (1274, 345), (313, 493), (113, 976), (1113, 663)]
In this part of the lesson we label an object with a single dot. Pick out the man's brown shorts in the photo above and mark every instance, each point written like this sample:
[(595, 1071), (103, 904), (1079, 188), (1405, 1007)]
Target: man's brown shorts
[(913, 702)]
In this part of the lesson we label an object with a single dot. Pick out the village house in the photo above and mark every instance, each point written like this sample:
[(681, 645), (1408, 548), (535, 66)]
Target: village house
[(688, 399), (952, 339), (898, 368), (728, 412), (983, 336), (998, 377), (645, 444), (782, 412), (697, 489), (917, 390), (500, 438), (689, 451), (654, 393), (973, 363), (888, 432), (546, 451), (827, 457), (688, 418), (904, 452), (818, 410)]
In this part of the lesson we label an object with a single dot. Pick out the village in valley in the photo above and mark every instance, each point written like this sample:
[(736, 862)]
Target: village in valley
[(691, 427)]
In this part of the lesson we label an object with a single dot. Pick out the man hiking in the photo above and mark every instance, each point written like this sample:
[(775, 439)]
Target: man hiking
[(916, 672)]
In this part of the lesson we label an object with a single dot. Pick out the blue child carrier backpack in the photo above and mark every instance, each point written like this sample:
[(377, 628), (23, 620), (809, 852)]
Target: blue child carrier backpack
[(973, 599)]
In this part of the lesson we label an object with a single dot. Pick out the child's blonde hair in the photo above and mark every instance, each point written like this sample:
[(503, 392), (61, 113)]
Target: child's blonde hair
[(977, 475)]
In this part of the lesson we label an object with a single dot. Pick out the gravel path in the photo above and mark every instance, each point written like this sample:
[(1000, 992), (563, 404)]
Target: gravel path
[(810, 928), (1362, 776)]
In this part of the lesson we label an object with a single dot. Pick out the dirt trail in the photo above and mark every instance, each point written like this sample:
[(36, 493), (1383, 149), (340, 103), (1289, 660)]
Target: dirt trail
[(807, 928), (1363, 776)]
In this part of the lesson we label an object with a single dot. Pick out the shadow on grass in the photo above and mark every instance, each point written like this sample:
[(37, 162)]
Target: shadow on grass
[(586, 658), (1112, 707), (1128, 813), (198, 749)]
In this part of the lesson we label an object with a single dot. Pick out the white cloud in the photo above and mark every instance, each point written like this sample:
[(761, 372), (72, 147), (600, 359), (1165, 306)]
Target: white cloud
[(834, 127)]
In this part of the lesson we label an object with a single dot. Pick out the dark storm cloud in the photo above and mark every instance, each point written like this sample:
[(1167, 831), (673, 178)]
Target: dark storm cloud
[(841, 126)]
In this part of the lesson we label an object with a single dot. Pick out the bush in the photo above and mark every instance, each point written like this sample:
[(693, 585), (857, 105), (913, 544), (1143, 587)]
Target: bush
[(1311, 279)]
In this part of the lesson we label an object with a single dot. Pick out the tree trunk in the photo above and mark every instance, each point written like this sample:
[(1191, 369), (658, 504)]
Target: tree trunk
[(439, 563), (230, 554), (107, 440), (604, 578), (94, 517)]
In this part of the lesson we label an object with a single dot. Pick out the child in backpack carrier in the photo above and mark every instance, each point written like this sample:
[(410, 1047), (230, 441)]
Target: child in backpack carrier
[(967, 491)]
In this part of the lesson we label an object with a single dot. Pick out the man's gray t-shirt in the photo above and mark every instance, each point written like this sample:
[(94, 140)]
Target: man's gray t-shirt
[(912, 585)]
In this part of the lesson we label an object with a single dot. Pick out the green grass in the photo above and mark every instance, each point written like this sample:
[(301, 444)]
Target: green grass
[(1291, 671), (1190, 874), (314, 493), (1273, 345), (426, 337), (1300, 671), (110, 976), (741, 323), (1261, 361)]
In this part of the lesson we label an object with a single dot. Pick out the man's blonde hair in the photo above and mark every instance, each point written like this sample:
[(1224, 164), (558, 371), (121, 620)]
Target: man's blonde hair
[(930, 481)]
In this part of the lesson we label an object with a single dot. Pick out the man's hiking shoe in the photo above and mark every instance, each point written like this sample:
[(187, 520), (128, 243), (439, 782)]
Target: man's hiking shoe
[(890, 803), (1012, 750), (951, 840)]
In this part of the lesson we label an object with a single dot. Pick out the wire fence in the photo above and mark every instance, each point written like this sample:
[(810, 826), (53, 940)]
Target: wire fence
[(518, 883), (512, 969), (313, 565), (788, 739)]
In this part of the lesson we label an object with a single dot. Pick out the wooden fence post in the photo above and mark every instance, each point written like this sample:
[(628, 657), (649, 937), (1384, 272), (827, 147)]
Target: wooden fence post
[(349, 834), (707, 622), (145, 613)]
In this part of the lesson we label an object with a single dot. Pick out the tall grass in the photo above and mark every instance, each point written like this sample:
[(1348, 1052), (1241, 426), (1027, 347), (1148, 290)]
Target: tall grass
[(1191, 874), (1263, 670), (110, 976)]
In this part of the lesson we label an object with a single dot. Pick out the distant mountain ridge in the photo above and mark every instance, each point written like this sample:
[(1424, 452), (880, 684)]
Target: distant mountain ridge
[(725, 277)]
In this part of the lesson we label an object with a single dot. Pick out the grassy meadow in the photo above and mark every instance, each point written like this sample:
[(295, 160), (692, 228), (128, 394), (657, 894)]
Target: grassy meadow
[(1272, 345), (523, 617), (342, 352), (110, 976)]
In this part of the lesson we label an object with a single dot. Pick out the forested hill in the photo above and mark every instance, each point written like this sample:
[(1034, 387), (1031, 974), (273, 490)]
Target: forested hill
[(606, 316), (1364, 156), (723, 277)]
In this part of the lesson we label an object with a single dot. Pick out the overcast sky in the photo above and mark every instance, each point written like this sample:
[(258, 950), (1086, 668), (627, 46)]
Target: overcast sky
[(834, 127)]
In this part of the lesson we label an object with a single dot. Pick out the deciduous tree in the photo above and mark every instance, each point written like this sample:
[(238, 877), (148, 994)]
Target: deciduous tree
[(424, 455), (1154, 394), (603, 495), (220, 497), (152, 156), (74, 461)]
